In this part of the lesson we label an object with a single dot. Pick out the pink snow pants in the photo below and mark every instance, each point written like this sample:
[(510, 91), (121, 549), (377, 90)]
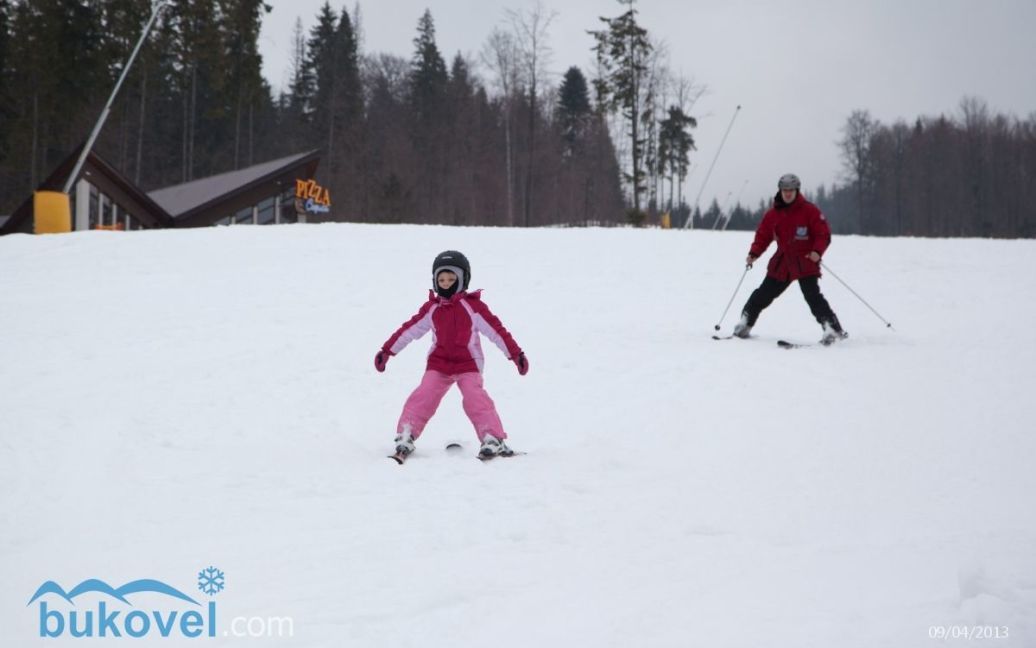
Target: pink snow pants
[(479, 407)]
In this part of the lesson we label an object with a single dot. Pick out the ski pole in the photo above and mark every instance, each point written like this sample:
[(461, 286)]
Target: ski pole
[(887, 323), (748, 266)]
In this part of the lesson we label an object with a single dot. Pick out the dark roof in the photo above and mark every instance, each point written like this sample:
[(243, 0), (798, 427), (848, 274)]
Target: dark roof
[(183, 199), (155, 216), (191, 204)]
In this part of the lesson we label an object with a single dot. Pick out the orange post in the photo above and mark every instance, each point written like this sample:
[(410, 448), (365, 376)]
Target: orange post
[(51, 213)]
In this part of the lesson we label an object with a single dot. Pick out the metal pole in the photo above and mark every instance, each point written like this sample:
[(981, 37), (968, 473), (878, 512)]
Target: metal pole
[(107, 108), (748, 267), (722, 210), (712, 166), (730, 214), (831, 272)]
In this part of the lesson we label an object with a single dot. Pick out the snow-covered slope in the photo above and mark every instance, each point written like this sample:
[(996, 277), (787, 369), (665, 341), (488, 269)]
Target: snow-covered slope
[(179, 399)]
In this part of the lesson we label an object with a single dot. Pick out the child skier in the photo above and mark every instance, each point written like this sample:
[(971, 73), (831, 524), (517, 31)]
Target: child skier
[(455, 317)]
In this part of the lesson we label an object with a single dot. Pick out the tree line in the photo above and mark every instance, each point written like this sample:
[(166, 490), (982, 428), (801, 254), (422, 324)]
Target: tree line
[(971, 174), (403, 140), (194, 103), (487, 140)]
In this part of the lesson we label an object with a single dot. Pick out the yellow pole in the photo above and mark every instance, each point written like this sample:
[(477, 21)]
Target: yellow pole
[(51, 212)]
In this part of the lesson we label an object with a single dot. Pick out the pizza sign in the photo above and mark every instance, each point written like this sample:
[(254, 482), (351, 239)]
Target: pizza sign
[(313, 198)]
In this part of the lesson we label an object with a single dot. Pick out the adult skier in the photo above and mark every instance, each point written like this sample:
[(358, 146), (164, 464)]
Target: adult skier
[(802, 236)]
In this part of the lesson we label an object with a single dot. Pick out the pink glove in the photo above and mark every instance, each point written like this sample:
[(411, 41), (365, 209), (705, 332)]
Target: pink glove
[(522, 364), (381, 359)]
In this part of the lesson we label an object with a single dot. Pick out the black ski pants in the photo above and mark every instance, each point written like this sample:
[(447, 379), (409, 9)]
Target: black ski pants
[(772, 288)]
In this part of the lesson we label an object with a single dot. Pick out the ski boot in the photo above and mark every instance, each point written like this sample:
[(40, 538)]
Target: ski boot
[(742, 329), (404, 445), (493, 447), (832, 332)]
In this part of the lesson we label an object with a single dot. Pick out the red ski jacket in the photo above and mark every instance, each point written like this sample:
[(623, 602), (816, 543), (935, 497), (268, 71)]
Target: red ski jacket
[(455, 324), (799, 228)]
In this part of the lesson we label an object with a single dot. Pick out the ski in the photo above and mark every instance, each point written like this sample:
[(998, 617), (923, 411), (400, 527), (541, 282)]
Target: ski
[(724, 337), (487, 458), (784, 344), (455, 448)]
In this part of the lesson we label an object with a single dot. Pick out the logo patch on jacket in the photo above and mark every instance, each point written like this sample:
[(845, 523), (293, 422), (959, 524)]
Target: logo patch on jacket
[(801, 233)]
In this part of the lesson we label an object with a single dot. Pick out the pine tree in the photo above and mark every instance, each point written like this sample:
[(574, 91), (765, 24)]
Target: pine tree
[(460, 142), (675, 144), (245, 84), (161, 132), (573, 109), (347, 118), (427, 73), (389, 159), (320, 63), (201, 85), (301, 85), (119, 141), (58, 76), (428, 80), (622, 51)]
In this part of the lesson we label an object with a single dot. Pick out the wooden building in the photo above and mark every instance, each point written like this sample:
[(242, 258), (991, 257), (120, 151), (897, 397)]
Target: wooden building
[(103, 198)]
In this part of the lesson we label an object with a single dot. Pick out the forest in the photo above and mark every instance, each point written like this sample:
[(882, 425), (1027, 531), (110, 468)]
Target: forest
[(500, 138), (403, 140)]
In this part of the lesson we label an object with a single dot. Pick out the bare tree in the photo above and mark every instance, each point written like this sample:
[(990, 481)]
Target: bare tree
[(858, 132), (976, 123), (500, 54), (656, 89), (530, 29), (687, 95)]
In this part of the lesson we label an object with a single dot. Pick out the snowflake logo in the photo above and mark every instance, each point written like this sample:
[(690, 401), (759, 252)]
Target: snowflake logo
[(211, 581)]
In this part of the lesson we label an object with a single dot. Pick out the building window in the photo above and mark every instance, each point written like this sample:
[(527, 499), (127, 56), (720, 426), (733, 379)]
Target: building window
[(95, 207), (106, 210), (288, 213), (266, 215), (223, 221), (243, 216)]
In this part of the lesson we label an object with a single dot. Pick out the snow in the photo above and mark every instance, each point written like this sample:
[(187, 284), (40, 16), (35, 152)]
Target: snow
[(173, 400)]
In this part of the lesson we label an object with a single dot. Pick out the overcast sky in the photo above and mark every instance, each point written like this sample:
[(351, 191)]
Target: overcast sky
[(797, 67)]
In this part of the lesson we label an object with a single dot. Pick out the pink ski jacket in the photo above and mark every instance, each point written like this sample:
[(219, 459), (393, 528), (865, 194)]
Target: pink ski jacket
[(455, 324)]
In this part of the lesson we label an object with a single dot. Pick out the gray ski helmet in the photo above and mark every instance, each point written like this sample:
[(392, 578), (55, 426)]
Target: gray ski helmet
[(456, 263), (789, 181)]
